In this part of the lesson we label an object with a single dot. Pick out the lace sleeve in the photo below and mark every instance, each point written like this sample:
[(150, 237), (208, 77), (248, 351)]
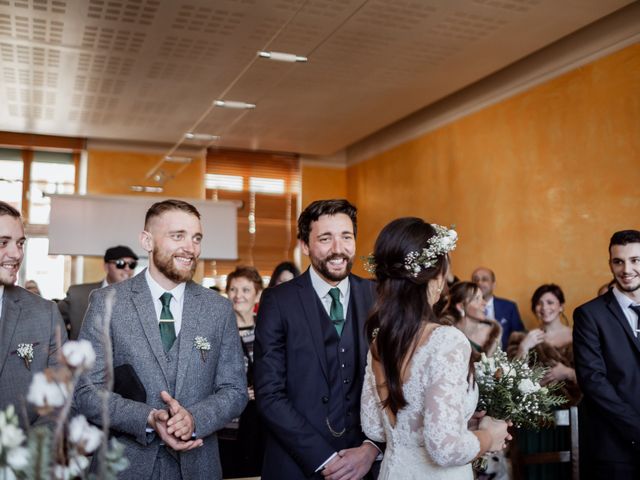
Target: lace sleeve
[(447, 438), (370, 411)]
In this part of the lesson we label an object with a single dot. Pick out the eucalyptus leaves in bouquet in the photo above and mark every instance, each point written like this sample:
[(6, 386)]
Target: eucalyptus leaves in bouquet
[(511, 390), (59, 448)]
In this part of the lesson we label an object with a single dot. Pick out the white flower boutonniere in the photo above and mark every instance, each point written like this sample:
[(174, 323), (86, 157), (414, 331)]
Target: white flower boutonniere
[(202, 344), (25, 352)]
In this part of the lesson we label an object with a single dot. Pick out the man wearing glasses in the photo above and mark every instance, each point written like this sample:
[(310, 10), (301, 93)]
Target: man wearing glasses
[(119, 265)]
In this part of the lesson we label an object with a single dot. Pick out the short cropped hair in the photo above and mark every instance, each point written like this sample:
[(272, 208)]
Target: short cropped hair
[(324, 207), (624, 237), (6, 209), (159, 208)]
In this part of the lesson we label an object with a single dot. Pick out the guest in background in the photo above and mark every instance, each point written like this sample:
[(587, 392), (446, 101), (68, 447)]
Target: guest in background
[(283, 272), (552, 346), (504, 311), (551, 341), (465, 309), (119, 264), (32, 286), (242, 440)]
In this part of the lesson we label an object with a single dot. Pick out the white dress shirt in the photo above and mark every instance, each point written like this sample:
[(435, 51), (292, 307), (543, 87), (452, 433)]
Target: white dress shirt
[(177, 300), (490, 309), (322, 290)]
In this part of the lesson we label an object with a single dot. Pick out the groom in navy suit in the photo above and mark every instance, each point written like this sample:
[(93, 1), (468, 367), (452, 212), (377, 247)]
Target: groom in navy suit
[(607, 359), (310, 355)]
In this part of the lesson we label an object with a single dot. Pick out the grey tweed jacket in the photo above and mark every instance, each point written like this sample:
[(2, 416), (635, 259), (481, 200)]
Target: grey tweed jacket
[(211, 387), (30, 319)]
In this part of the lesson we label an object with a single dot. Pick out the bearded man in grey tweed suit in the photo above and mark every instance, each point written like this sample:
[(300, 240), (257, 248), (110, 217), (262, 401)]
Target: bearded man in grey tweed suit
[(179, 347), (25, 319)]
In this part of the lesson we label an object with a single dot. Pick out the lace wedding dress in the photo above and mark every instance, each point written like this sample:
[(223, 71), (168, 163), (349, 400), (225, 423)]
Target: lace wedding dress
[(429, 439)]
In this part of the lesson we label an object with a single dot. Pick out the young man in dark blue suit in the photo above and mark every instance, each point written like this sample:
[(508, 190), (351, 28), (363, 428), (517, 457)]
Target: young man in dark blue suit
[(504, 311), (607, 360), (310, 355)]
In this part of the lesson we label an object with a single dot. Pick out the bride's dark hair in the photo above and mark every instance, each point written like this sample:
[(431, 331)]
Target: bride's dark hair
[(402, 308)]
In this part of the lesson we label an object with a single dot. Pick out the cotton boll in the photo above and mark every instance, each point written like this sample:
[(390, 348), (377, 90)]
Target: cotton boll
[(43, 393), (79, 354)]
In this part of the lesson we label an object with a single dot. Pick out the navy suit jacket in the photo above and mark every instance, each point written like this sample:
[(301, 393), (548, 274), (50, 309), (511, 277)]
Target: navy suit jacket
[(507, 315), (607, 361), (291, 379)]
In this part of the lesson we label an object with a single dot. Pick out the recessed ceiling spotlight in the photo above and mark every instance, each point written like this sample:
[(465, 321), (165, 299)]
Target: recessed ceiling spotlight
[(282, 57), (233, 104), (201, 137)]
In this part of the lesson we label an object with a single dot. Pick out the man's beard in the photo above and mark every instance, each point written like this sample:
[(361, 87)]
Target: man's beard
[(164, 263), (321, 267), (627, 289)]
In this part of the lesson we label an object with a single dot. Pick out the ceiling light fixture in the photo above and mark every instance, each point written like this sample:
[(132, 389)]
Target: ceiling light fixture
[(233, 104), (201, 137), (141, 188), (282, 57)]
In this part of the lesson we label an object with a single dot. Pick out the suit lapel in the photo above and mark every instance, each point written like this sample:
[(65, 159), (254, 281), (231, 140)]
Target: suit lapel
[(358, 298), (191, 307), (309, 302), (616, 311), (8, 321), (148, 320)]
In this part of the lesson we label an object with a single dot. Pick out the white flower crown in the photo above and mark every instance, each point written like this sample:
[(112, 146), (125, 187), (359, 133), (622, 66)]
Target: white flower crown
[(443, 242)]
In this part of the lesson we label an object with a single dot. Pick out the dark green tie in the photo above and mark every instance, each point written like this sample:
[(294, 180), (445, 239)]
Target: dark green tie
[(336, 313), (167, 324)]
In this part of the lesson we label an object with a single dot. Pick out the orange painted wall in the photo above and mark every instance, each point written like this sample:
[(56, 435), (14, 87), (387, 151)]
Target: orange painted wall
[(321, 183), (536, 184), (113, 172)]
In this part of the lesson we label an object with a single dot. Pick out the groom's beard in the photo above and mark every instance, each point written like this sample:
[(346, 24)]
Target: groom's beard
[(321, 267), (629, 289)]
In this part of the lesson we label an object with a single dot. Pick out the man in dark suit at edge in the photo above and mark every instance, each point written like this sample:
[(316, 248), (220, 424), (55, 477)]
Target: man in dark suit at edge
[(607, 359), (310, 356)]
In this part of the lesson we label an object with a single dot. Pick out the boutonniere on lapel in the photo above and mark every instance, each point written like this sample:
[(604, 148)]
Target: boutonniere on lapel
[(25, 352), (202, 344)]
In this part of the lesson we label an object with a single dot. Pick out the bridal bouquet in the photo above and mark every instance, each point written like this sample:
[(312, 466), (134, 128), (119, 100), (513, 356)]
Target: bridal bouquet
[(511, 390), (61, 450)]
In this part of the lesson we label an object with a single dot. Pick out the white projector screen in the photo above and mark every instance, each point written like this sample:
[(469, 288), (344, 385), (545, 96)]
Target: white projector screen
[(89, 224)]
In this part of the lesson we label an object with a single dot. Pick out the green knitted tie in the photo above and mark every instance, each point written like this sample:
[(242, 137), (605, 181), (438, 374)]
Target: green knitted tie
[(167, 324), (336, 313)]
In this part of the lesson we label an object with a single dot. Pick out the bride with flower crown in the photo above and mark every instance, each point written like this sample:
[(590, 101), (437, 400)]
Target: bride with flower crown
[(419, 394)]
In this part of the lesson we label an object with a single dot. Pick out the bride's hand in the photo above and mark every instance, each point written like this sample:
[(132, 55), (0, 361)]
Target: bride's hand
[(474, 421), (497, 430)]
